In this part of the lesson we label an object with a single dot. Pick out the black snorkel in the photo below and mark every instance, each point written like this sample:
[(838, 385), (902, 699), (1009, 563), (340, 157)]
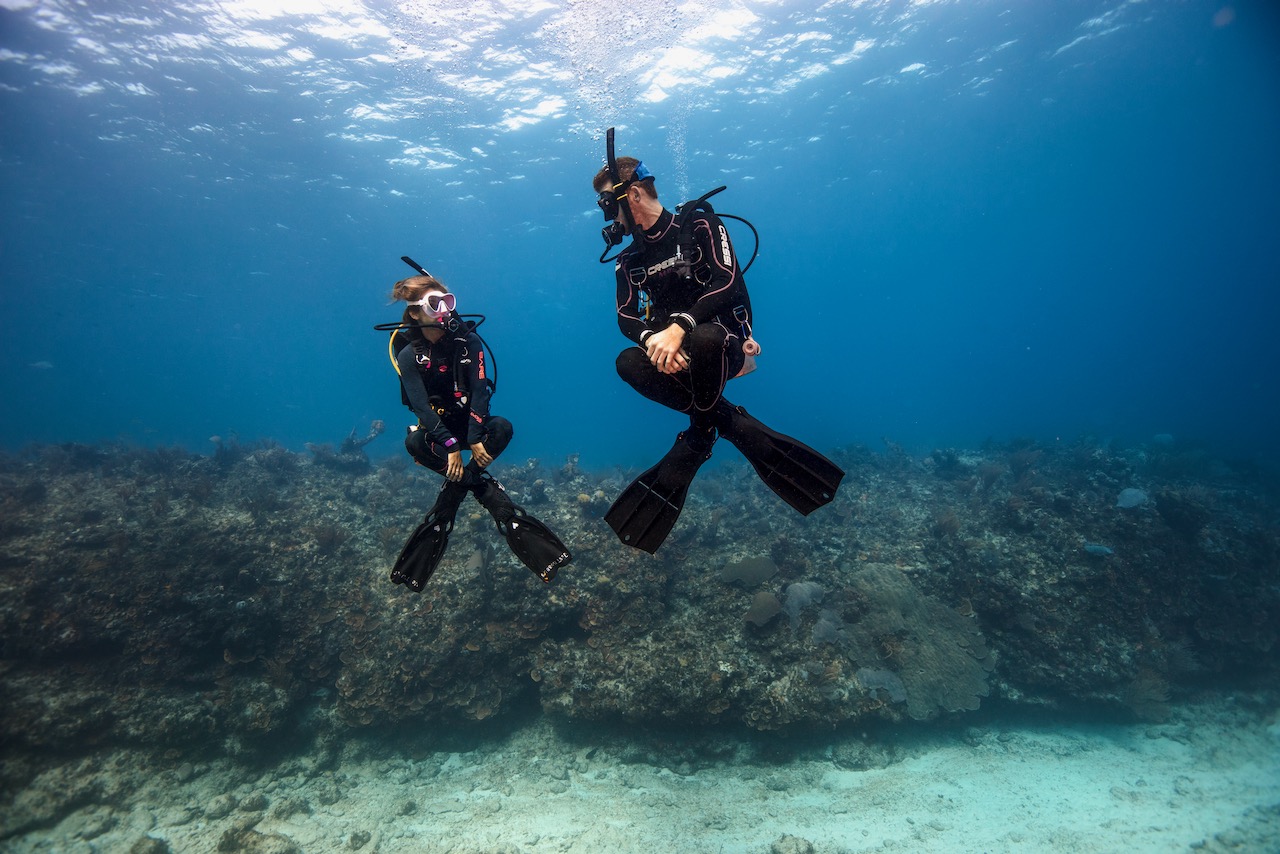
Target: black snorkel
[(611, 203)]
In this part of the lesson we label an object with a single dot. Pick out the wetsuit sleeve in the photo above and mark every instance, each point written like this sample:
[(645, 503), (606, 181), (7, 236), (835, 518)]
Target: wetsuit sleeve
[(719, 293), (480, 389), (419, 401), (630, 318)]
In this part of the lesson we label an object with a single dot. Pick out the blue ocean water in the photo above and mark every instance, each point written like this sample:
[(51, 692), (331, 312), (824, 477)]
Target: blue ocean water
[(979, 220)]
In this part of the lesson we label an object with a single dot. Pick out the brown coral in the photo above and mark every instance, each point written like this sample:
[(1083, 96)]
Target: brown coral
[(939, 655)]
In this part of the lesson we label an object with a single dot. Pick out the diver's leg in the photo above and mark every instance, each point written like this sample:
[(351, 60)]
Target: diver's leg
[(497, 435), (670, 390), (428, 454), (674, 391), (713, 360), (425, 452), (715, 356), (425, 548)]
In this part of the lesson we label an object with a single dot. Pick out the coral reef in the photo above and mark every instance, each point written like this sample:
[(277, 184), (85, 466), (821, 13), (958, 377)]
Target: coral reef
[(239, 600)]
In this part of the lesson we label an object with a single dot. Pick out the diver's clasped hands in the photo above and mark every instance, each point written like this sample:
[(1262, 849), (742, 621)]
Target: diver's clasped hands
[(665, 350)]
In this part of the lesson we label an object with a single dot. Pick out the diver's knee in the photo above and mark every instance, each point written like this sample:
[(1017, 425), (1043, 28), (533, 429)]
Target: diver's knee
[(631, 363), (499, 426), (415, 444), (498, 433), (631, 358)]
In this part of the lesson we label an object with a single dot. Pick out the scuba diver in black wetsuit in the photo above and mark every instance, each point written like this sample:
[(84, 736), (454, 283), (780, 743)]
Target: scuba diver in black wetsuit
[(681, 298), (446, 378)]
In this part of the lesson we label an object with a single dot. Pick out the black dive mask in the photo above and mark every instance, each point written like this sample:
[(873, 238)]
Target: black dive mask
[(608, 202), (612, 204)]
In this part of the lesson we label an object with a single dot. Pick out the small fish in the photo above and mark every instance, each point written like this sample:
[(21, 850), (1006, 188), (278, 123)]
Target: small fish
[(41, 365), (1098, 549)]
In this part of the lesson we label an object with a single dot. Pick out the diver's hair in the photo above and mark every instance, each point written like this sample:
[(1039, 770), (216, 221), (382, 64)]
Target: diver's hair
[(412, 289), (626, 168)]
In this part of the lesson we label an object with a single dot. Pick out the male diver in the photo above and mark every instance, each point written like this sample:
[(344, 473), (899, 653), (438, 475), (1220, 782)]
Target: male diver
[(446, 379), (681, 298)]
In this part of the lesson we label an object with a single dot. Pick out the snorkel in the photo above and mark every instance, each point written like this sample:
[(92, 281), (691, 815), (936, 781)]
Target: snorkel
[(613, 200)]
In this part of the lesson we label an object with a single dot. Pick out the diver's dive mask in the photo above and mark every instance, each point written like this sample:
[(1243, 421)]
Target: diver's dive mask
[(438, 306), (608, 202)]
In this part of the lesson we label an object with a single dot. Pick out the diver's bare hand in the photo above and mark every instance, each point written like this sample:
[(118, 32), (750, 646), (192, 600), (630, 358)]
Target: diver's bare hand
[(480, 455), (453, 467)]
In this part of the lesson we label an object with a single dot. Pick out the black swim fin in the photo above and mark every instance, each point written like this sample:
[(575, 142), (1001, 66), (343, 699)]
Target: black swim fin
[(426, 545), (530, 540), (799, 475), (536, 546), (647, 510)]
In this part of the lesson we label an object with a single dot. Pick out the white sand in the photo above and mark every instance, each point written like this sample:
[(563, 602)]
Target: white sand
[(988, 788)]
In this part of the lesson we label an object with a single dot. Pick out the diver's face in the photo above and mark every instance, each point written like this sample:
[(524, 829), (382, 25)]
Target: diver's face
[(623, 218), (624, 210), (617, 212)]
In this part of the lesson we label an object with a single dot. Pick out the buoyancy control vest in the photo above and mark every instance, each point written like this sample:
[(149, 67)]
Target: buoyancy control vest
[(694, 270), (444, 369)]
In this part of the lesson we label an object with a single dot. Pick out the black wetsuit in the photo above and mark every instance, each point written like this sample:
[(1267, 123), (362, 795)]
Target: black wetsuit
[(448, 386), (694, 281)]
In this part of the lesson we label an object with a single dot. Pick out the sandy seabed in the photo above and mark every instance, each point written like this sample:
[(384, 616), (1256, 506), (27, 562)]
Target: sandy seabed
[(1207, 779)]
